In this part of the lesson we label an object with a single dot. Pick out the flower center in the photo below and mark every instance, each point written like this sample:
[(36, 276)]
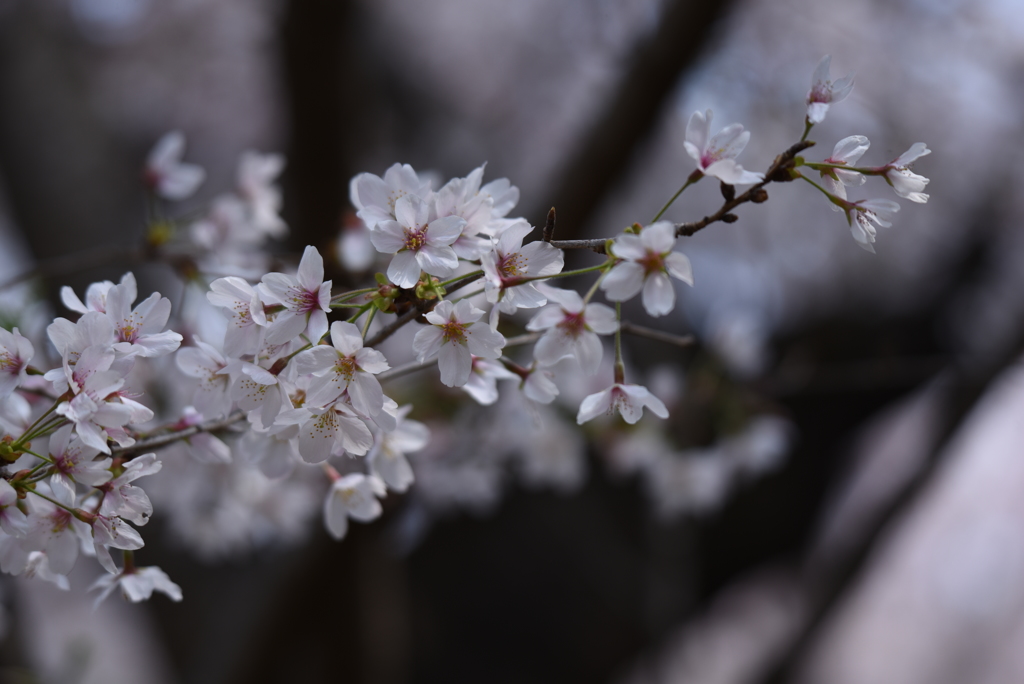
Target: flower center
[(573, 324), (512, 265), (303, 301), (8, 363), (346, 367), (652, 262), (454, 332), (415, 240)]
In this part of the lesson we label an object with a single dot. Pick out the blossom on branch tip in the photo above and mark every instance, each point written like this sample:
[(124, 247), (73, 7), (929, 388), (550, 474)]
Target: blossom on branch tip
[(628, 400), (905, 182), (824, 91), (716, 155), (510, 260), (375, 198), (455, 336), (646, 262), (346, 365), (571, 329), (860, 215), (137, 584), (167, 174), (15, 353), (846, 152)]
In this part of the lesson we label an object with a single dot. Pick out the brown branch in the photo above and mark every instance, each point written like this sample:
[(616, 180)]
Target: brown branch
[(172, 437), (659, 335)]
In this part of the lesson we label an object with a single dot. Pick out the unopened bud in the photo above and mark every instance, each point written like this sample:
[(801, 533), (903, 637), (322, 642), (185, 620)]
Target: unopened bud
[(728, 191), (730, 218), (759, 195)]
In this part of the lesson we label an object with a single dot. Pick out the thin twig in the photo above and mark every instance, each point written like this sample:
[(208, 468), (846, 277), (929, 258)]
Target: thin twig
[(659, 335), (171, 437)]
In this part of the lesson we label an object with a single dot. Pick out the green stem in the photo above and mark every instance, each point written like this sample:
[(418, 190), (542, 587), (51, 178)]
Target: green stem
[(446, 283), (53, 501), (359, 313), (864, 170), (620, 367), (346, 296), (564, 274), (593, 288), (369, 319), (689, 181), (807, 129), (21, 440)]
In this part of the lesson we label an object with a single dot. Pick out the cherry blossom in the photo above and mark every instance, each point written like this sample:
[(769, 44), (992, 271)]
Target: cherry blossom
[(95, 297), (387, 458), (483, 381), (95, 415), (167, 174), (15, 353), (327, 431), (346, 365), (306, 298), (238, 299), (137, 584), (73, 462), (824, 91), (137, 330), (418, 240), (860, 215), (905, 182), (256, 173), (375, 198), (571, 329), (12, 520), (203, 361), (125, 500), (455, 336), (846, 152), (352, 496), (628, 400), (509, 261), (646, 262), (716, 156), (112, 532)]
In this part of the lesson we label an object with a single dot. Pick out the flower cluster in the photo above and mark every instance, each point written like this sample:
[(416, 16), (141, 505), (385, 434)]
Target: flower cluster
[(280, 400)]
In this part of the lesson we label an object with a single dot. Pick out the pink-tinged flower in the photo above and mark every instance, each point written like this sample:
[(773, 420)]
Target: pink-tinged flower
[(860, 215), (375, 198), (95, 296), (571, 329), (137, 331), (306, 299), (73, 462), (628, 400), (137, 584), (256, 174), (167, 174), (93, 329), (509, 261), (647, 261), (716, 156), (96, 417), (237, 298), (125, 500), (328, 431), (539, 386), (462, 197), (204, 362), (418, 241), (824, 91), (846, 152), (12, 520), (257, 389), (112, 532), (353, 496), (15, 353), (346, 365), (483, 381), (56, 532), (455, 336), (905, 182), (387, 458)]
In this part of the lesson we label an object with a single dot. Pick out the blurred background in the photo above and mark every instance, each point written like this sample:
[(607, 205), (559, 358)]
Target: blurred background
[(882, 543)]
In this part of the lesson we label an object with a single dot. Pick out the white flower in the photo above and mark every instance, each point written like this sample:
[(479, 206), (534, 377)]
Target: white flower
[(346, 365), (905, 182), (56, 532), (375, 197), (306, 298), (12, 520), (456, 337), (256, 173), (483, 381), (125, 500), (716, 156), (137, 584), (237, 298), (572, 329), (539, 386), (15, 353), (203, 361), (387, 458), (95, 297), (418, 241), (93, 411), (847, 151), (860, 216), (73, 462), (165, 172), (647, 260), (137, 331), (353, 496), (509, 260), (324, 432), (628, 400), (112, 532), (824, 91)]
